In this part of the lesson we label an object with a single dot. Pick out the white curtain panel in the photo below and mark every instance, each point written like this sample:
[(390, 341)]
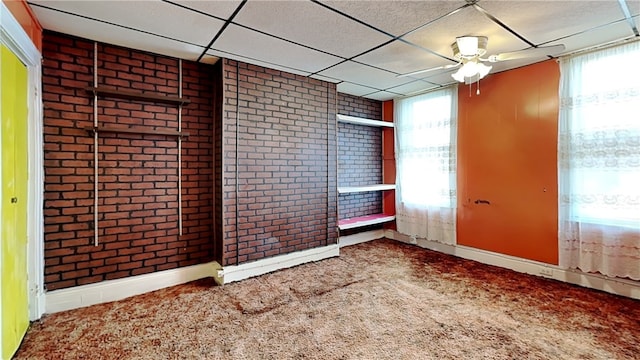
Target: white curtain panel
[(599, 162), (426, 165)]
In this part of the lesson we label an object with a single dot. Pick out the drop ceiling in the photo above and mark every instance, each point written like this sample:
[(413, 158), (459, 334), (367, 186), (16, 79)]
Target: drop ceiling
[(361, 45)]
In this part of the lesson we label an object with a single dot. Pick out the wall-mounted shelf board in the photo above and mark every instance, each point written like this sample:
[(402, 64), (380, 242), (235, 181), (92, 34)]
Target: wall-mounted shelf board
[(361, 221), (365, 188), (133, 95), (137, 131), (363, 121)]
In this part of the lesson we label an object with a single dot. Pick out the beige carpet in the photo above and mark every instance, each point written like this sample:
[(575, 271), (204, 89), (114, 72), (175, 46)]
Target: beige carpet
[(379, 300)]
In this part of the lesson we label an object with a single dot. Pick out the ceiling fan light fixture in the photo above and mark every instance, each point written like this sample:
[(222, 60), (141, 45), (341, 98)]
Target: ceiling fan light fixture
[(471, 69)]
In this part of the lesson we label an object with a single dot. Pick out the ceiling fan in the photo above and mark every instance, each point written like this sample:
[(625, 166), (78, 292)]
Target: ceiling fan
[(469, 52)]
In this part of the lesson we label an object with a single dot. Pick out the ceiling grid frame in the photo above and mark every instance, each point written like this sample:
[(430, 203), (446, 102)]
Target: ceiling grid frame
[(284, 48)]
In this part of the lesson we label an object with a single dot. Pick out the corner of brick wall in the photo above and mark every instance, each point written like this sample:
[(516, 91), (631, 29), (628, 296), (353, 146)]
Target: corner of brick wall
[(279, 173)]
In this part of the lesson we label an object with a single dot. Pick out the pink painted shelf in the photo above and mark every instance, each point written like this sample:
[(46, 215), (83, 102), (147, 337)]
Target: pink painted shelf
[(360, 221)]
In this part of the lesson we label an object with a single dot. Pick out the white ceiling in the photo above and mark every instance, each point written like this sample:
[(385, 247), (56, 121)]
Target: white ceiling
[(361, 45)]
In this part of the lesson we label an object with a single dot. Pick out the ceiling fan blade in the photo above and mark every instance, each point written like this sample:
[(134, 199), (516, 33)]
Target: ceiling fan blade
[(427, 70), (526, 53)]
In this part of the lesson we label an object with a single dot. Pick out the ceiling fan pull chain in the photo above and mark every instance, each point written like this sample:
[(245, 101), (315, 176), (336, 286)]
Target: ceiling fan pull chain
[(478, 87)]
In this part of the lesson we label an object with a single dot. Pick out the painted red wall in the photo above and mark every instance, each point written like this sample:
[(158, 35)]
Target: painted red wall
[(27, 19), (388, 162), (507, 146)]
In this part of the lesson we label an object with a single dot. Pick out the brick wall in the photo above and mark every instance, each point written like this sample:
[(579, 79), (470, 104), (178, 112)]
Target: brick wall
[(358, 106), (359, 156), (279, 171), (138, 174)]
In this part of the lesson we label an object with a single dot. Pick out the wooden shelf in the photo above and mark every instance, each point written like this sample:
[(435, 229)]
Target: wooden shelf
[(365, 188), (362, 121), (100, 129), (133, 95), (361, 221)]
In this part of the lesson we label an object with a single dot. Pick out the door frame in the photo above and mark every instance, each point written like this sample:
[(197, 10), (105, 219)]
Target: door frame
[(13, 36)]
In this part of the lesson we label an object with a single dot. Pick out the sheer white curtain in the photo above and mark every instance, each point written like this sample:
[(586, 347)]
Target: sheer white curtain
[(426, 165), (599, 162)]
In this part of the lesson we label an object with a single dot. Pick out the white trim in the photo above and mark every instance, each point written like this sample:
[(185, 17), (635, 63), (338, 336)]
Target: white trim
[(623, 287), (260, 267), (363, 121), (365, 221), (16, 39), (113, 290), (360, 237)]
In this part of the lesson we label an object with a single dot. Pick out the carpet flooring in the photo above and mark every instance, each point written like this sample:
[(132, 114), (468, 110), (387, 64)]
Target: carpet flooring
[(378, 300)]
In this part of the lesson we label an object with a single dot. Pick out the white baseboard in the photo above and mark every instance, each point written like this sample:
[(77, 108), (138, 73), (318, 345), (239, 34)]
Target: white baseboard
[(623, 287), (260, 267), (360, 237), (112, 290)]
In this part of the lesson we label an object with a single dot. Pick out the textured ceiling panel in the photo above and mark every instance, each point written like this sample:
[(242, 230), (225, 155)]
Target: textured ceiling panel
[(442, 78), (325, 78), (540, 23), (227, 55), (603, 35), (468, 21), (413, 88), (365, 75), (383, 95), (354, 89), (149, 16), (395, 17), (634, 7), (400, 58), (222, 9), (310, 24), (254, 45), (116, 35)]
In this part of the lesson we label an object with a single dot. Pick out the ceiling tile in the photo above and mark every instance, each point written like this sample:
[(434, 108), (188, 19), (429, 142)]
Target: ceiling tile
[(111, 34), (354, 89), (228, 55), (385, 15), (441, 78), (365, 75), (236, 40), (325, 78), (382, 96), (155, 17), (311, 25), (440, 35), (606, 34), (556, 19), (222, 9), (413, 87), (401, 58)]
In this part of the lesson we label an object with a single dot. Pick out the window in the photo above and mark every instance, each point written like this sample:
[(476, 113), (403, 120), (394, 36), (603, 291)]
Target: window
[(600, 137), (426, 162), (426, 150), (599, 162)]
